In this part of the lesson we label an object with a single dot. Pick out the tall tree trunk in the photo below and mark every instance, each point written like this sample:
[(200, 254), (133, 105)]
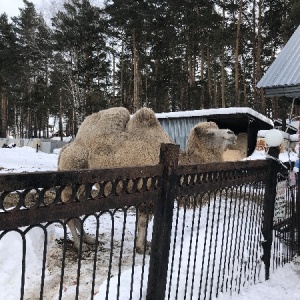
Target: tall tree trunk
[(254, 55), (202, 96), (60, 125), (244, 91), (215, 89), (3, 114), (209, 79), (122, 75), (157, 108), (47, 127), (258, 57), (146, 85), (136, 105), (3, 110), (191, 69), (114, 79), (223, 61), (29, 124), (236, 55)]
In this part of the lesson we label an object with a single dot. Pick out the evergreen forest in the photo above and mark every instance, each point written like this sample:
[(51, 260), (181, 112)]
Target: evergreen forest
[(167, 55)]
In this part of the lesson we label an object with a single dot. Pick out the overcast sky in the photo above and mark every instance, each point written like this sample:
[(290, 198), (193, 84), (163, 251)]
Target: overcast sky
[(11, 7)]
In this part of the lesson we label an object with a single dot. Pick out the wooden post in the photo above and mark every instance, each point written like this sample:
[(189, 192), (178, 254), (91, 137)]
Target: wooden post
[(274, 151), (161, 236), (269, 206)]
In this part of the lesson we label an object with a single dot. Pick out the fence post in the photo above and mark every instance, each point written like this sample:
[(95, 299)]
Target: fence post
[(268, 215), (161, 236)]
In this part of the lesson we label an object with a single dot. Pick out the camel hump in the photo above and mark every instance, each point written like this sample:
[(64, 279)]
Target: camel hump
[(115, 119), (144, 117), (106, 121)]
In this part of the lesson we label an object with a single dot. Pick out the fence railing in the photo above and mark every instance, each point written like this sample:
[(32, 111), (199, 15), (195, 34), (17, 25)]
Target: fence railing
[(212, 224)]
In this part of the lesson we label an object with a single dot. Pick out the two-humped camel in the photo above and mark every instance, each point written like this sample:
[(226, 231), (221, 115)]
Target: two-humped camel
[(111, 138)]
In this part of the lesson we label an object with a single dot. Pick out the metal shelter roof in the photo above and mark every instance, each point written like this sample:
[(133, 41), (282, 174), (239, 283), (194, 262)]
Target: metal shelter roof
[(283, 76)]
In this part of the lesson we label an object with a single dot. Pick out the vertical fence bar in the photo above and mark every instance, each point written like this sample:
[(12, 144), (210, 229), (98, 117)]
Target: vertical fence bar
[(162, 226), (268, 209)]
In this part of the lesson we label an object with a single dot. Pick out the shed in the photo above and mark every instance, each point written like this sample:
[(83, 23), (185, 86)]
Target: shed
[(283, 76), (241, 120)]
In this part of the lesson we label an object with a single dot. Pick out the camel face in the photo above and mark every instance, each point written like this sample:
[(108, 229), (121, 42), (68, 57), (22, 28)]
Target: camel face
[(222, 138), (227, 135), (214, 139)]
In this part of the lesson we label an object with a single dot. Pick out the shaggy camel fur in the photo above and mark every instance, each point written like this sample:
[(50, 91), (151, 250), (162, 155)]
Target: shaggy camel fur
[(238, 151), (110, 138), (207, 143)]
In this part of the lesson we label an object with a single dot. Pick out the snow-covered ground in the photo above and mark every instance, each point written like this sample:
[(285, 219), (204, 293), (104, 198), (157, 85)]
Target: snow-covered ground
[(284, 282)]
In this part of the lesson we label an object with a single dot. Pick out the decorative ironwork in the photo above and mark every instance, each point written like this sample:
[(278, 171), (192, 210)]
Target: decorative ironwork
[(221, 214)]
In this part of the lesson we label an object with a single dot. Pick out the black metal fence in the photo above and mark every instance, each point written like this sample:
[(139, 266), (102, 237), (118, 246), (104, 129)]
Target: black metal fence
[(285, 221), (216, 237)]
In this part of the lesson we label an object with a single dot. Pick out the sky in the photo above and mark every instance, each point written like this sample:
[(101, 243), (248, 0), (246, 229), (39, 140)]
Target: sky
[(11, 7), (46, 7), (283, 284)]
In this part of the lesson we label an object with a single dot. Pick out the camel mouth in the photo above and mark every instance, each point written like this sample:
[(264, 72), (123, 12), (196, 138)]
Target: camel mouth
[(232, 140)]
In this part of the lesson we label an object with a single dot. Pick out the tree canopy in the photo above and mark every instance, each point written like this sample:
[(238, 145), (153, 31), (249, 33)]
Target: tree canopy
[(167, 55)]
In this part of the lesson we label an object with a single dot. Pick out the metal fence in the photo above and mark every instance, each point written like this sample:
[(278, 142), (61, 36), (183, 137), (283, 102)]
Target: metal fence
[(285, 221), (212, 230)]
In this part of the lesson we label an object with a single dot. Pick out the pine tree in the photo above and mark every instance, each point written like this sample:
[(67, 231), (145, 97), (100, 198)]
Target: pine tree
[(34, 55), (8, 58), (79, 33)]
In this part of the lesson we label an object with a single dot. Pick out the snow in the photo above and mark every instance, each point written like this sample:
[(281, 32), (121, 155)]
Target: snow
[(25, 159), (286, 156), (216, 111), (283, 284)]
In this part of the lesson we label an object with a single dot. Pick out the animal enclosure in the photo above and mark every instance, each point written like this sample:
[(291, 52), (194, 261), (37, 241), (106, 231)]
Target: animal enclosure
[(212, 224)]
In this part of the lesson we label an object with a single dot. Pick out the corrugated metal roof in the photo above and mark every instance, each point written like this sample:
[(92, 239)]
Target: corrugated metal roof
[(285, 70)]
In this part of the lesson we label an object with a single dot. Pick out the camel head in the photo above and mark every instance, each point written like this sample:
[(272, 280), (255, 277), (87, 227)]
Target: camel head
[(207, 143), (221, 138)]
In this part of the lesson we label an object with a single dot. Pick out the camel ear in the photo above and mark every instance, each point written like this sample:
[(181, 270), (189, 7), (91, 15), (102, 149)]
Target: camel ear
[(200, 131), (197, 130)]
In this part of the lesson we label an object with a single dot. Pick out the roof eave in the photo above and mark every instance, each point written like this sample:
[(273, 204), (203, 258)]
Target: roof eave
[(283, 91)]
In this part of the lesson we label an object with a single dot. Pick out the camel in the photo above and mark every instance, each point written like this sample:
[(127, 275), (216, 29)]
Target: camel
[(207, 143), (111, 138)]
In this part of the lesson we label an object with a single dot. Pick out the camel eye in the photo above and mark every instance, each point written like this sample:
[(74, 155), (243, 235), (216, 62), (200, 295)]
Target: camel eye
[(210, 133)]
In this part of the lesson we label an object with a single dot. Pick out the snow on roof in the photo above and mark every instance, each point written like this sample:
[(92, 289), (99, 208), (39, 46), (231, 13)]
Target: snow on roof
[(215, 111)]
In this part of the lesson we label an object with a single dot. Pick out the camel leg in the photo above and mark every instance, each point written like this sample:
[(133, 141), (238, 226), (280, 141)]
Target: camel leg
[(72, 225), (86, 237), (141, 235), (75, 227)]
